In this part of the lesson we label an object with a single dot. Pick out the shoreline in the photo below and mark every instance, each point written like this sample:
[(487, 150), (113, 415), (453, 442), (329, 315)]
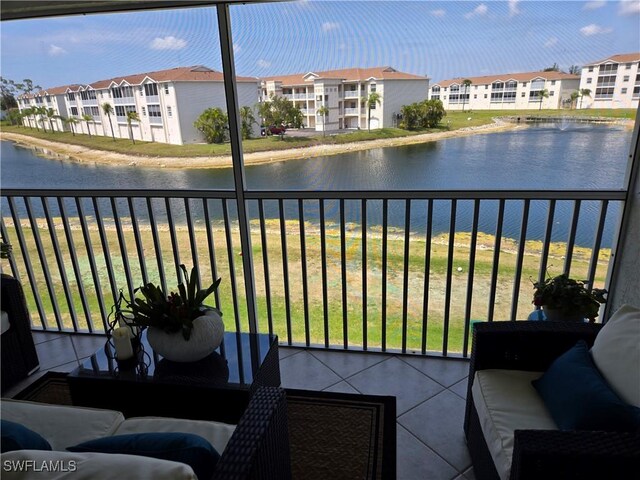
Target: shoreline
[(86, 155)]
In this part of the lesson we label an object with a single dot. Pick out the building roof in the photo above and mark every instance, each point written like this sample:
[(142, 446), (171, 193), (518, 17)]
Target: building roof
[(346, 74), (618, 58), (518, 77), (49, 91)]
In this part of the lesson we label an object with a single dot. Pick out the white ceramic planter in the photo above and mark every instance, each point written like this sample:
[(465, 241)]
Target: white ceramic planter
[(206, 336)]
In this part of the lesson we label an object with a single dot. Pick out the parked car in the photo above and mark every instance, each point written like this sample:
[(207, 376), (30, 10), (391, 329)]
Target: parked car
[(273, 130)]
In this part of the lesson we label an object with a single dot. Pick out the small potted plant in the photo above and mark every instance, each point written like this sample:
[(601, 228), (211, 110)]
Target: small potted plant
[(564, 298), (179, 326)]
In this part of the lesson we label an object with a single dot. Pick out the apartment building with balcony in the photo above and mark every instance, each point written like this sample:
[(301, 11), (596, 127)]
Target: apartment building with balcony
[(344, 92), (510, 91), (50, 98), (614, 82), (166, 101)]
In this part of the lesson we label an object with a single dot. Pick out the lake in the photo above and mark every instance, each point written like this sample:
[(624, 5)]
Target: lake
[(582, 157)]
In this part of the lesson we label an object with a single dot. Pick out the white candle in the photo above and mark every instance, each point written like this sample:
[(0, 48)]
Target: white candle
[(122, 343)]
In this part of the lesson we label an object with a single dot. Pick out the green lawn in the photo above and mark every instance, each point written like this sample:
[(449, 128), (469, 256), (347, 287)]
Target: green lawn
[(453, 121)]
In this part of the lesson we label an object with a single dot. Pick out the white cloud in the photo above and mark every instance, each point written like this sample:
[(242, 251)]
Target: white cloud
[(328, 26), (168, 43), (594, 5), (263, 63), (594, 29), (551, 42), (438, 13), (629, 7), (55, 50), (478, 11), (513, 8)]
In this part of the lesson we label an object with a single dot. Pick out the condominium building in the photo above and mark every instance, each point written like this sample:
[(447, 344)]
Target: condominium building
[(53, 99), (614, 82), (344, 93), (509, 91), (167, 103)]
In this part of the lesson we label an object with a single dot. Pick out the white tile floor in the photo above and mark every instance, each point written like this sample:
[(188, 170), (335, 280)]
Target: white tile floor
[(430, 395)]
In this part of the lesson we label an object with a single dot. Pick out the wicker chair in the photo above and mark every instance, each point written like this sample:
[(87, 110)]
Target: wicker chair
[(548, 454), (19, 357), (259, 447)]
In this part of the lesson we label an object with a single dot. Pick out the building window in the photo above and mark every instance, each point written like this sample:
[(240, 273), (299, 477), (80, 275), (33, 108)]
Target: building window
[(553, 82), (627, 66), (169, 114), (144, 112), (523, 94), (608, 68), (604, 93), (552, 93), (606, 80), (636, 92), (475, 95), (88, 95), (475, 87), (625, 78), (486, 87), (122, 92), (435, 97), (154, 111), (485, 95), (524, 84), (537, 84), (74, 111), (445, 97), (588, 80), (373, 87), (497, 86), (623, 91), (141, 90), (590, 69), (151, 89), (166, 89), (435, 89), (71, 96)]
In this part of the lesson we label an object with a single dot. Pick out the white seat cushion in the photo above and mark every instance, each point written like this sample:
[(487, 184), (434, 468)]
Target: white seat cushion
[(218, 434), (616, 353), (61, 425), (4, 322), (506, 401), (90, 466)]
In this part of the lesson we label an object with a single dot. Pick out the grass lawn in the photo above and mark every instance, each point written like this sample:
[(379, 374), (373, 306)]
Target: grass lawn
[(453, 121)]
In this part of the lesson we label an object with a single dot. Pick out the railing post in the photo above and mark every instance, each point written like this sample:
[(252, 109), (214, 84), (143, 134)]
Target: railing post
[(231, 93)]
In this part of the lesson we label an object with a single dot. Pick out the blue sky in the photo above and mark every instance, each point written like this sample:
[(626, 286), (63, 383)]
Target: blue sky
[(440, 39)]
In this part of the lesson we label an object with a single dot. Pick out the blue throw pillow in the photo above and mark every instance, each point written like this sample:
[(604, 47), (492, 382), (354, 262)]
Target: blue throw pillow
[(18, 437), (187, 448), (579, 398)]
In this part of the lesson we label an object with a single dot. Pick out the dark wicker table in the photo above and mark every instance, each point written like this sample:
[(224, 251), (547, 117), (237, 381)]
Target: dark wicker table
[(217, 387)]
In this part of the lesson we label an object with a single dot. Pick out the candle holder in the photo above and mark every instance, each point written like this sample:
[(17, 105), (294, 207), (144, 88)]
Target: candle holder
[(119, 318)]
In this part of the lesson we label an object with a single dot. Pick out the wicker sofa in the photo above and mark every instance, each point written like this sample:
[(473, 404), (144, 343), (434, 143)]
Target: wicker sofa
[(19, 356), (540, 451), (256, 448)]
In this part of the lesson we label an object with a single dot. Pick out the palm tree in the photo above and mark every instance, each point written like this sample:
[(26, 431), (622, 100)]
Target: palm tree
[(370, 102), (132, 117), (41, 111), (584, 92), (574, 96), (51, 114), (246, 115), (466, 83), (542, 94), (26, 113), (108, 110), (322, 112), (87, 118), (71, 121)]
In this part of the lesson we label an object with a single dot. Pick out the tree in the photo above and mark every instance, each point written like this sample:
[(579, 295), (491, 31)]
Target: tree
[(28, 113), (425, 114), (574, 96), (8, 91), (542, 94), (410, 116), (108, 110), (322, 112), (371, 101), (466, 83), (574, 69), (71, 121), (584, 92), (279, 111), (41, 112), (14, 116), (132, 117), (213, 123), (246, 115), (88, 118), (552, 68), (51, 114)]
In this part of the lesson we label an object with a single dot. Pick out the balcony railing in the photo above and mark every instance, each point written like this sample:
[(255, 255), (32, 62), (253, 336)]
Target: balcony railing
[(401, 271), (351, 94)]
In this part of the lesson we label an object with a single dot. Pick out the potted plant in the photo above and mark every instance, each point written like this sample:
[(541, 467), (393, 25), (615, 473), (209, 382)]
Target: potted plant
[(180, 327), (564, 298)]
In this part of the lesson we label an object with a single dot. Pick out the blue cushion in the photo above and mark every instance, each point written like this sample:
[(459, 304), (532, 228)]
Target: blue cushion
[(579, 398), (18, 437), (187, 448)]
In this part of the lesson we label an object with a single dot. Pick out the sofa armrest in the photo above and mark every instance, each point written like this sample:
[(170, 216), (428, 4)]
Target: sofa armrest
[(259, 447), (574, 454)]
